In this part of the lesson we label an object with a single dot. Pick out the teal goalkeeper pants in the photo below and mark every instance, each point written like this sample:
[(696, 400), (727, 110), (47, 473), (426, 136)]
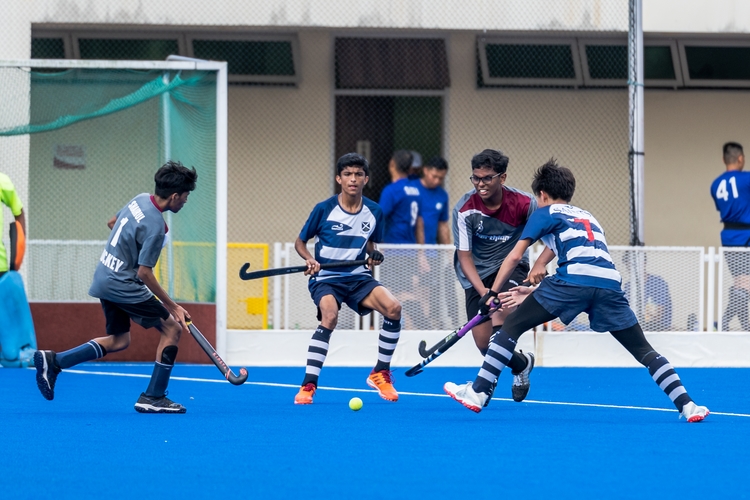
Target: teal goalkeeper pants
[(16, 325)]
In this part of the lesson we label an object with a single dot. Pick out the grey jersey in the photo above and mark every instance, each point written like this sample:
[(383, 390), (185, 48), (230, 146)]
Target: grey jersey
[(490, 235), (136, 240)]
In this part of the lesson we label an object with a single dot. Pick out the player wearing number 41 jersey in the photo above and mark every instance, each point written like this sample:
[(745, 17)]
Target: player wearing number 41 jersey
[(125, 284), (586, 281), (731, 194)]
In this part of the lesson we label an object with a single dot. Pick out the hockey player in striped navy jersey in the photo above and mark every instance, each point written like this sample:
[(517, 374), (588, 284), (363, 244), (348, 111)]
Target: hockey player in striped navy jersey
[(586, 280), (348, 226)]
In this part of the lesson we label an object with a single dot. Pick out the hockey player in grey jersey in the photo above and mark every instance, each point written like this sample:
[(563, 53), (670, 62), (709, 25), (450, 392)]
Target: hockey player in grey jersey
[(125, 284)]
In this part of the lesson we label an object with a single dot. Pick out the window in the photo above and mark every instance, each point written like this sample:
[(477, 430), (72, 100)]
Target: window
[(48, 48), (529, 62), (605, 63), (256, 59), (716, 64), (126, 48), (391, 63)]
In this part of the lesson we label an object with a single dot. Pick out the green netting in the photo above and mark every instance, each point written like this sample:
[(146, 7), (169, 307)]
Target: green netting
[(85, 141)]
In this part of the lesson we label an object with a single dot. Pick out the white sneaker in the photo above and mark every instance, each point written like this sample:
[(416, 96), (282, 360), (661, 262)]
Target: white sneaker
[(694, 413), (465, 395), (521, 382)]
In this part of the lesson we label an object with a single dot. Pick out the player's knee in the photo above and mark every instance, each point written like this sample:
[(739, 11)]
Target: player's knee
[(393, 310), (329, 319)]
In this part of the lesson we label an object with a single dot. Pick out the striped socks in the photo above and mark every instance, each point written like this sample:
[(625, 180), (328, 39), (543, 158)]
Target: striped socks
[(89, 351), (498, 356), (316, 354), (667, 379), (387, 341)]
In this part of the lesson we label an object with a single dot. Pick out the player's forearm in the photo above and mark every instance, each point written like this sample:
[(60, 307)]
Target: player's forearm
[(419, 231), (301, 248), (466, 261), (21, 219), (444, 234)]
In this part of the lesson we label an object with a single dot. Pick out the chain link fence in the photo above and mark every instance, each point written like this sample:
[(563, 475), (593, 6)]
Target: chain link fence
[(309, 83)]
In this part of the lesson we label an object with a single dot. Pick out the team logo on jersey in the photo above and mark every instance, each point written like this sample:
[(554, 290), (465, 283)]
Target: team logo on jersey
[(338, 227), (438, 206), (480, 227), (366, 227)]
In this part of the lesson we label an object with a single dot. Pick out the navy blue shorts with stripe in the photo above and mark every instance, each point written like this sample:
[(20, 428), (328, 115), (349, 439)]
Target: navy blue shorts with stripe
[(350, 292), (608, 310)]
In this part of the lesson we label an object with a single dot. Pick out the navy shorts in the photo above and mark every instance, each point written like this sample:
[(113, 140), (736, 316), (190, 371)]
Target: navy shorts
[(608, 310), (350, 292), (148, 314), (520, 273)]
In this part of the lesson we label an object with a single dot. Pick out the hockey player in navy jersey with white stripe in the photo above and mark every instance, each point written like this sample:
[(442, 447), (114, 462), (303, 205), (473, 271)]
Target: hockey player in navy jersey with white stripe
[(348, 226), (586, 280)]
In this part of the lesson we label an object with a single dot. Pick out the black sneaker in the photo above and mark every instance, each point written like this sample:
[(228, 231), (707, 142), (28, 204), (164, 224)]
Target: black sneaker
[(46, 373), (150, 404), (521, 383), (489, 395)]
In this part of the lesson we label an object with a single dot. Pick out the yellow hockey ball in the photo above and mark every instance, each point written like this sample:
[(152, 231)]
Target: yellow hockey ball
[(355, 404)]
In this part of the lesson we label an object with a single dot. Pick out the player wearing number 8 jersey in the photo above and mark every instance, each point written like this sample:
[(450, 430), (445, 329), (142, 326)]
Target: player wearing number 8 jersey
[(731, 194), (586, 281), (125, 284)]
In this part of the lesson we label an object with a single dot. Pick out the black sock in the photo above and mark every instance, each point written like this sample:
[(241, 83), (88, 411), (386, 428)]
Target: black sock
[(387, 340), (157, 386), (667, 379), (499, 354)]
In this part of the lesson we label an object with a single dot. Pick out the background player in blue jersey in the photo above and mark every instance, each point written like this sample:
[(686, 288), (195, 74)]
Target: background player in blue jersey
[(434, 202), (731, 194), (399, 202), (347, 226), (586, 280), (125, 284)]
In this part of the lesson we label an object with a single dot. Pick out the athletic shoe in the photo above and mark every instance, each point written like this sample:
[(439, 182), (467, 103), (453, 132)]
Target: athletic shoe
[(465, 395), (46, 373), (521, 383), (151, 404), (489, 396), (305, 394), (694, 413), (382, 382)]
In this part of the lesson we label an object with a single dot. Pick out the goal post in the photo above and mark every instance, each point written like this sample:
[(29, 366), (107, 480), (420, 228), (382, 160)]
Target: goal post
[(80, 138)]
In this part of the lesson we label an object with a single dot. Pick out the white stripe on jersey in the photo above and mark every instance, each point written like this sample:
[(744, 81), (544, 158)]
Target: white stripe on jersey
[(464, 242), (594, 271), (336, 253), (571, 233), (583, 251)]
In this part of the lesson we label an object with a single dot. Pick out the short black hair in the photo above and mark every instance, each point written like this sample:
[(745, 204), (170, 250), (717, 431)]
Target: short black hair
[(732, 152), (558, 182), (174, 177), (352, 160), (437, 163), (403, 159), (490, 158)]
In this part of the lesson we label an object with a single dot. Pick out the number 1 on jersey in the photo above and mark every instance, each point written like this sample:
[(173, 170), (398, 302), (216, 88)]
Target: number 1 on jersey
[(116, 237), (587, 225)]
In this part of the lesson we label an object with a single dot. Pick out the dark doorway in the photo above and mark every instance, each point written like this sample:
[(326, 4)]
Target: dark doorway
[(376, 126)]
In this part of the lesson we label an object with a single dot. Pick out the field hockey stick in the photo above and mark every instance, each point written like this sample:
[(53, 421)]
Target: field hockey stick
[(244, 275), (448, 342), (220, 364)]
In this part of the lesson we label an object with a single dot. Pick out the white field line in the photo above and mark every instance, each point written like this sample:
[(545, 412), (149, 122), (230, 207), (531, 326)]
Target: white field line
[(422, 394)]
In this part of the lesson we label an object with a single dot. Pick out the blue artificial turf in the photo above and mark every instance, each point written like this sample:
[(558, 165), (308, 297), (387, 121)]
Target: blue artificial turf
[(252, 442)]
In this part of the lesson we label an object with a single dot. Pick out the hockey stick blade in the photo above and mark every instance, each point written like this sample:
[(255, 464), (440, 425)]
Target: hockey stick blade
[(265, 273), (220, 364)]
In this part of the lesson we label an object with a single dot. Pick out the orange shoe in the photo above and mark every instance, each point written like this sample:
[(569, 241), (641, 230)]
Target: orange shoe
[(382, 382), (305, 394)]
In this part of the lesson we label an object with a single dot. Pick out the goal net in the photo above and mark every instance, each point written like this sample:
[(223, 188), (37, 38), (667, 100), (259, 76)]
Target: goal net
[(80, 138)]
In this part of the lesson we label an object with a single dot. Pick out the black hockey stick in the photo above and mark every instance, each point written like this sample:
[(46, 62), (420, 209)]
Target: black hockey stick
[(294, 269), (220, 364)]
